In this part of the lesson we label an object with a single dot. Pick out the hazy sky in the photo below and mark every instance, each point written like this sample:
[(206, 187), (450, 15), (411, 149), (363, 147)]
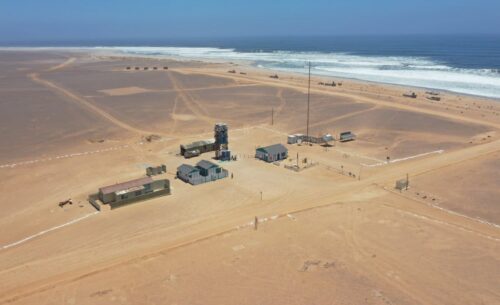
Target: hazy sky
[(60, 20)]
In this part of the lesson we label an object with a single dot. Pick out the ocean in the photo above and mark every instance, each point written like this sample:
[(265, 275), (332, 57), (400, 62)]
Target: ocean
[(463, 64)]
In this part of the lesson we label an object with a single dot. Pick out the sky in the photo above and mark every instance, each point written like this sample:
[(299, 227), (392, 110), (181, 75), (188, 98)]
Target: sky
[(94, 20)]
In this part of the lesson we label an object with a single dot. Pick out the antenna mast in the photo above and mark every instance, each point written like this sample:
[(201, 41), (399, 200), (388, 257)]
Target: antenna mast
[(308, 101)]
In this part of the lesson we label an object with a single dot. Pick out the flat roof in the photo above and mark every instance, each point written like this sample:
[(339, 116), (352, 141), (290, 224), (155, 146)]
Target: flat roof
[(125, 185)]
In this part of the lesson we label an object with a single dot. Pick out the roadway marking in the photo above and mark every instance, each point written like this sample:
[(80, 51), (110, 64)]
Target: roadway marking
[(85, 153), (48, 230), (422, 217), (404, 159)]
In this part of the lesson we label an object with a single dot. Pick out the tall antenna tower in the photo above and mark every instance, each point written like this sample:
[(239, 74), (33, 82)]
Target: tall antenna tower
[(308, 102)]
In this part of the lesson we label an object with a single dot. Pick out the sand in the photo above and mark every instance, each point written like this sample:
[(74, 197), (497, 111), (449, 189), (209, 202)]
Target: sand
[(334, 233)]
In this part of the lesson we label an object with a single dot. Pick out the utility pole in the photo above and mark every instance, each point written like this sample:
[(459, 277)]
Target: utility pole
[(407, 181), (308, 102), (272, 116)]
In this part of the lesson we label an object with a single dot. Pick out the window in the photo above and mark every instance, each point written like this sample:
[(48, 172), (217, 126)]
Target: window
[(138, 193), (218, 170)]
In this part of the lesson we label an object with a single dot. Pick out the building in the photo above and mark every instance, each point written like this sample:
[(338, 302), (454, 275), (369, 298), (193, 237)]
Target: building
[(292, 139), (347, 136), (196, 148), (221, 140), (156, 170), (272, 153), (299, 138), (410, 94), (116, 195), (402, 184), (218, 144), (204, 171)]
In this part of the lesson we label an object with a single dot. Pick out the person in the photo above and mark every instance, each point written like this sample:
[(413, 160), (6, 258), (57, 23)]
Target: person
[(232, 176)]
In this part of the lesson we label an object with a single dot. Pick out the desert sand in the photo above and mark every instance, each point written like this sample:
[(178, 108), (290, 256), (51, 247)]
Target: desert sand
[(335, 233)]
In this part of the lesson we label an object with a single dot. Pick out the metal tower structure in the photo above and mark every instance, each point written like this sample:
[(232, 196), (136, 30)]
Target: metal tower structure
[(308, 102), (221, 139)]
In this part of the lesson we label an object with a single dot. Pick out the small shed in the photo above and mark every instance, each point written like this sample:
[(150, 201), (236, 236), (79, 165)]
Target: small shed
[(156, 170), (402, 184), (272, 153), (327, 138), (347, 136)]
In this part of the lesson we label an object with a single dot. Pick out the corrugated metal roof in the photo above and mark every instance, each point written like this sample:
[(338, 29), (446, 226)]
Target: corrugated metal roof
[(198, 144), (125, 185), (274, 149), (186, 168), (206, 164)]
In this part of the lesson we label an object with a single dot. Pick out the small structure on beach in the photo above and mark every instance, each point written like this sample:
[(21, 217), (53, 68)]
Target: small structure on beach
[(434, 98), (410, 94), (204, 171), (332, 84), (275, 76), (120, 194), (272, 153), (347, 136)]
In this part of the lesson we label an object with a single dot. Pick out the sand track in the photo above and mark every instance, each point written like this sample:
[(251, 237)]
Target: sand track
[(338, 118), (358, 97), (232, 220), (86, 105), (190, 102), (420, 249), (81, 101), (62, 65)]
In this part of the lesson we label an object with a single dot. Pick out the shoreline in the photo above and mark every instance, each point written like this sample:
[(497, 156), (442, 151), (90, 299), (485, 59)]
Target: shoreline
[(253, 64)]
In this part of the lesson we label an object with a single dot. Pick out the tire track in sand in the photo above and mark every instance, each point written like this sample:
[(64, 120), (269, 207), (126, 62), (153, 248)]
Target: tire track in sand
[(87, 105), (193, 106), (62, 65)]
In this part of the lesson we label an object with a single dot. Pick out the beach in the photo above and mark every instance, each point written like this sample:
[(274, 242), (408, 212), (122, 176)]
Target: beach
[(74, 120)]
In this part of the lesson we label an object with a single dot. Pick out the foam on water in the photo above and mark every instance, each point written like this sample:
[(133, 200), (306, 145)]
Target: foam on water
[(400, 70)]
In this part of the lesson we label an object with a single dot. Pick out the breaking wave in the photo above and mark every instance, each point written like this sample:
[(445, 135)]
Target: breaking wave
[(399, 70)]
